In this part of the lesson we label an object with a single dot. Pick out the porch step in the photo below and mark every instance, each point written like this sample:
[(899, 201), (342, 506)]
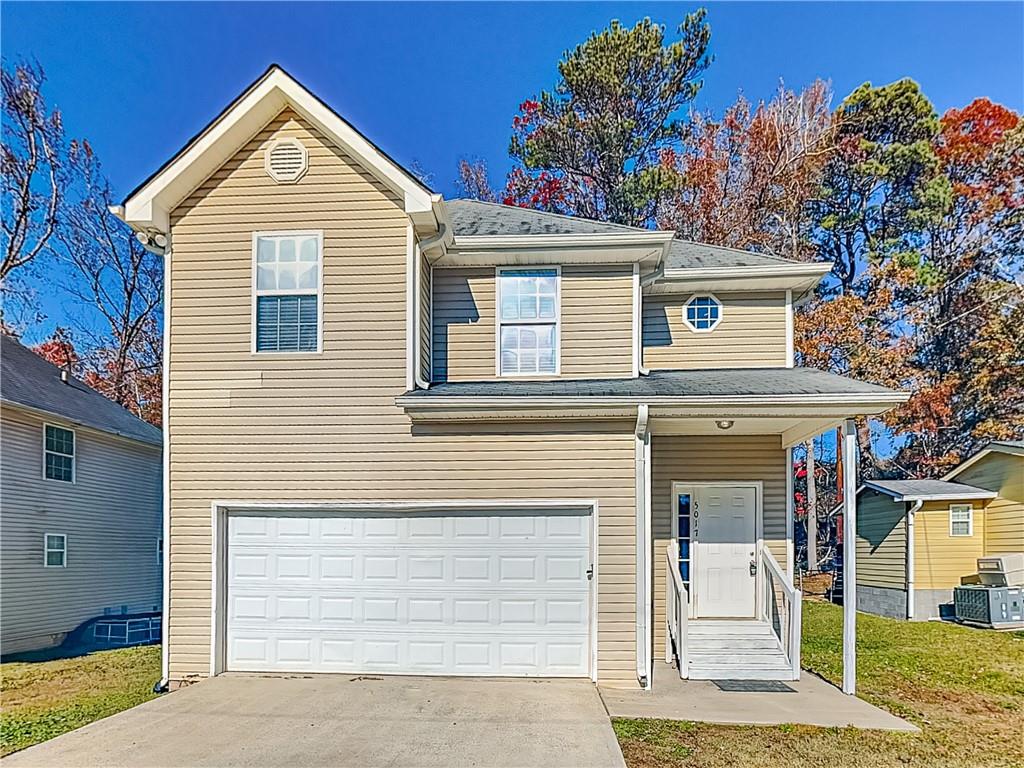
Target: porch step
[(735, 650)]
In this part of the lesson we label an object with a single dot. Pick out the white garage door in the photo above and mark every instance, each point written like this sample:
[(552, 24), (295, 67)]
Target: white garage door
[(466, 593)]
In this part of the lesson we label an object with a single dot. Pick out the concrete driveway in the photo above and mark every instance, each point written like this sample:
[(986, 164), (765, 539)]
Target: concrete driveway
[(340, 720)]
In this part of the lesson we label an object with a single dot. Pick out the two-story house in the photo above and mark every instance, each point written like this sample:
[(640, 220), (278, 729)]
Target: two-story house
[(80, 523), (422, 436)]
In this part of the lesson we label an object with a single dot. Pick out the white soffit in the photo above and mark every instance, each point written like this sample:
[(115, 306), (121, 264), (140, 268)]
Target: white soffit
[(799, 278), (149, 206)]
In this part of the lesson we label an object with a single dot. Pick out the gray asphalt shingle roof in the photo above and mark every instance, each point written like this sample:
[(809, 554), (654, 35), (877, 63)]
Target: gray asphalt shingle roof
[(29, 380), (690, 383), (915, 489), (474, 217)]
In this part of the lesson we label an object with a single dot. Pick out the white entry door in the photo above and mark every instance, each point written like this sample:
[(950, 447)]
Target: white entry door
[(724, 532), (452, 593)]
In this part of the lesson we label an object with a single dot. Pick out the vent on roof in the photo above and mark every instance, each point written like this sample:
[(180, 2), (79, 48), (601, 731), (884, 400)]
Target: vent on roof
[(286, 160)]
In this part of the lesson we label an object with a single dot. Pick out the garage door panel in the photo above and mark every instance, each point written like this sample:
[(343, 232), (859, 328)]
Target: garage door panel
[(542, 567), (464, 593), (483, 609), (398, 653)]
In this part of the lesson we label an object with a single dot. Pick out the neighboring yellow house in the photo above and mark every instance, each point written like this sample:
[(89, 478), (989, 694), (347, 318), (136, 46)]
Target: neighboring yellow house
[(918, 539)]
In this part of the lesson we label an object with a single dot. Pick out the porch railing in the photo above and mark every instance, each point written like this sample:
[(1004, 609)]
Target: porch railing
[(781, 609), (677, 607)]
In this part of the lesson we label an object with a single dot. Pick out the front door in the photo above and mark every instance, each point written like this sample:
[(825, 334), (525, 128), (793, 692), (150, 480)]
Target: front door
[(724, 547)]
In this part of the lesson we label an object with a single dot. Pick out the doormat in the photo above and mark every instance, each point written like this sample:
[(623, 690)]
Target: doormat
[(753, 686)]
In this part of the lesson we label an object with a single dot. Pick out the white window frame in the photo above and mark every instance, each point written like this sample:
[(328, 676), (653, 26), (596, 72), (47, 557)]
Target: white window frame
[(319, 235), (498, 322), (47, 549), (74, 455), (970, 521), (702, 295)]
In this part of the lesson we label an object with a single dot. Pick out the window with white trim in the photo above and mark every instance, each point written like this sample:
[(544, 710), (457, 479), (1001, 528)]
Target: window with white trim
[(702, 312), (528, 321), (55, 550), (961, 520), (287, 292), (58, 453)]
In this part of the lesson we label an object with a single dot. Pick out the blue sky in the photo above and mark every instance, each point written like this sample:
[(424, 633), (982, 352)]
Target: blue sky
[(431, 83)]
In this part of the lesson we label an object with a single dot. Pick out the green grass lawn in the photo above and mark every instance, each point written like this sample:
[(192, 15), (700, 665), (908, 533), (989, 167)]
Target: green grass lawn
[(963, 687), (40, 700)]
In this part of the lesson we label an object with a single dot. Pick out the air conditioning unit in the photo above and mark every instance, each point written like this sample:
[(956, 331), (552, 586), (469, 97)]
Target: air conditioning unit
[(996, 607), (1006, 570)]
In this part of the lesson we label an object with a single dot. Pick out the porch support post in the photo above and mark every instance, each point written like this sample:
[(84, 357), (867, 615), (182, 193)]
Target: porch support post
[(643, 545), (849, 557)]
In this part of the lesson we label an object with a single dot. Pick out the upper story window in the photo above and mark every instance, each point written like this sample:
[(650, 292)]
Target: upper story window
[(288, 291), (961, 520), (59, 453), (702, 312), (528, 321)]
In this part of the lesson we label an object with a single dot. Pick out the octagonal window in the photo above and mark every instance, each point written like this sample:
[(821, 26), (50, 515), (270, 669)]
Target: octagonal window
[(702, 312)]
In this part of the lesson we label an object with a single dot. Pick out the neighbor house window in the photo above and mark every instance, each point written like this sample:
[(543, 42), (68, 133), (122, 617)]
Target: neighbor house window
[(961, 520), (528, 317), (702, 313), (59, 453), (55, 550), (288, 291)]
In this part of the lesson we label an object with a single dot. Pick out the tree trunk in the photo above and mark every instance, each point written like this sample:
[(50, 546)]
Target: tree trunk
[(812, 511)]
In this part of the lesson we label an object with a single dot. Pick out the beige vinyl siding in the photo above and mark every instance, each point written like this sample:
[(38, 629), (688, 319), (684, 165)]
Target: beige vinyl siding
[(677, 458), (1004, 515), (881, 541), (596, 322), (325, 427), (941, 560), (751, 333), (111, 516)]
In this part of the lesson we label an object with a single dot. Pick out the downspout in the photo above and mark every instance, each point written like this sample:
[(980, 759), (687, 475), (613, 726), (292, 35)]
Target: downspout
[(418, 250), (910, 556), (644, 282), (642, 456)]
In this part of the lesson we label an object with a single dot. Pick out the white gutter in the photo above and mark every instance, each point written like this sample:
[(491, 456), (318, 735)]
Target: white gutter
[(643, 528), (519, 401), (589, 239), (817, 269), (910, 557)]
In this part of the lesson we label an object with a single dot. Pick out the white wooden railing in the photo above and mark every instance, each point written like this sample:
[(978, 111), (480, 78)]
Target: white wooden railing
[(781, 609), (677, 607)]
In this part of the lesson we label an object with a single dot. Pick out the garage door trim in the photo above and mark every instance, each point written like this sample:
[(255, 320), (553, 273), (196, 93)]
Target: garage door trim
[(220, 510)]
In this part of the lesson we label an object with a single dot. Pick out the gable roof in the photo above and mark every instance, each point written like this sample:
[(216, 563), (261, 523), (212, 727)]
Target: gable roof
[(148, 206), (29, 381), (1012, 447), (927, 490)]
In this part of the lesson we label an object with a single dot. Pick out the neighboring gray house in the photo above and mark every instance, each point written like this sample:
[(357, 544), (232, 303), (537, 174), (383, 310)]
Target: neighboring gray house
[(80, 494)]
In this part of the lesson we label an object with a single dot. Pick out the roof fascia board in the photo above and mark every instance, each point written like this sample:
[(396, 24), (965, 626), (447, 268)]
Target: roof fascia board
[(831, 406), (47, 414), (799, 278), (150, 205)]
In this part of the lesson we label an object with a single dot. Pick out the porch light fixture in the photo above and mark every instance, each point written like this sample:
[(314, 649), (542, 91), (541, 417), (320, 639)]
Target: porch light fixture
[(724, 423)]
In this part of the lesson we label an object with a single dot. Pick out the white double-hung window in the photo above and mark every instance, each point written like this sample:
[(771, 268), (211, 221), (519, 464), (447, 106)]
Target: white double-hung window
[(961, 520), (528, 321), (287, 307)]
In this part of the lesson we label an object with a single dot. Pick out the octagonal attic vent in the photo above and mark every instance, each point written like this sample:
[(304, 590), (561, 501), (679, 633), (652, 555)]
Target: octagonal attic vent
[(286, 160)]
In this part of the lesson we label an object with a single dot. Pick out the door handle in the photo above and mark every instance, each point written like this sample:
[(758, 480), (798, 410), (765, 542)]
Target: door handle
[(590, 573), (753, 568)]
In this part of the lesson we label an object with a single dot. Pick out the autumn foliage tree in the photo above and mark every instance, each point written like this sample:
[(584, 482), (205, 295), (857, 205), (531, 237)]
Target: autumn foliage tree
[(746, 180)]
